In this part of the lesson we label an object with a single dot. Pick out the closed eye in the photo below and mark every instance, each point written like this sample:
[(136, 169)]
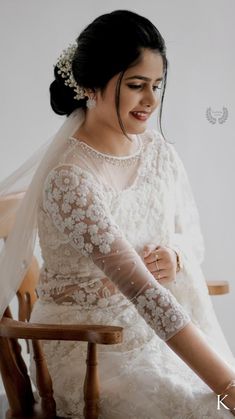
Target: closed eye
[(138, 86)]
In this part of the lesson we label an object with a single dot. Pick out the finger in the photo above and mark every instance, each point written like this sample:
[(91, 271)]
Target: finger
[(164, 277), (148, 248), (160, 275), (162, 254), (154, 255), (155, 266), (160, 264), (162, 251), (166, 280)]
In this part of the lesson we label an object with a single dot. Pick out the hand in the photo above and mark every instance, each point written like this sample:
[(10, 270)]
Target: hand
[(166, 259)]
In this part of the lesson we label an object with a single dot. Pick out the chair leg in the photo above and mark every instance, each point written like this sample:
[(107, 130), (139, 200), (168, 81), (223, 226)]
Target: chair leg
[(16, 383), (44, 382), (91, 384)]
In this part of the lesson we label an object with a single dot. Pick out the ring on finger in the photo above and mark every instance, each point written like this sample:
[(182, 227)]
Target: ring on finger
[(156, 264)]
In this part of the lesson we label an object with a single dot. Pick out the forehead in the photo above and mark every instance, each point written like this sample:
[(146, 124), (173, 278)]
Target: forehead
[(150, 64)]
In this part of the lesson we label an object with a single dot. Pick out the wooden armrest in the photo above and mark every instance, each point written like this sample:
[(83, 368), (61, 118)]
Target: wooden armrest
[(218, 287), (107, 335)]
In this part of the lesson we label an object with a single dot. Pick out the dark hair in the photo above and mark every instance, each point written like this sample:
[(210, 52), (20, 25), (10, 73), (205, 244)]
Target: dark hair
[(109, 45)]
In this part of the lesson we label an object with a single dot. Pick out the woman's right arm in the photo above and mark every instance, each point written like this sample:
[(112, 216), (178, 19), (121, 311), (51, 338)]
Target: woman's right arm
[(76, 205)]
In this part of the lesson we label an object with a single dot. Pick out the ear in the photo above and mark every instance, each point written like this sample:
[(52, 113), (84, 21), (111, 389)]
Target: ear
[(91, 93)]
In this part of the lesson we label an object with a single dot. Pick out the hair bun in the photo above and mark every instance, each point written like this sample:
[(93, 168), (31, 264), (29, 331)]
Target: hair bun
[(62, 97)]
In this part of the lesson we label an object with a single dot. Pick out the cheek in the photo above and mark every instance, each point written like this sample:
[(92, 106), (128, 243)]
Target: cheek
[(128, 98), (129, 103)]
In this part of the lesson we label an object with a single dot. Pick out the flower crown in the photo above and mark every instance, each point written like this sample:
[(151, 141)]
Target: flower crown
[(64, 65)]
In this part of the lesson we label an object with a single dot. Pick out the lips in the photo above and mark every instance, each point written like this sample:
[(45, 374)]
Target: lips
[(141, 116)]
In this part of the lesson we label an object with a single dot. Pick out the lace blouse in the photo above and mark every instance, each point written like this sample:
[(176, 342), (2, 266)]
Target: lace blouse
[(96, 214)]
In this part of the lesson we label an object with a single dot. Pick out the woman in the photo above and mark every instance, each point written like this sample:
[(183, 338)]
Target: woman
[(120, 237)]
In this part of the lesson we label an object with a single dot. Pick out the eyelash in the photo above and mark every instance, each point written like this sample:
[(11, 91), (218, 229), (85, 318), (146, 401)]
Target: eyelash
[(137, 86)]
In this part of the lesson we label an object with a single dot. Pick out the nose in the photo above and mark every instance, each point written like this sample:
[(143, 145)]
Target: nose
[(150, 99)]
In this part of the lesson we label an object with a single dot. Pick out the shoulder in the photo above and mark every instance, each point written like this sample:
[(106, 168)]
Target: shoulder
[(70, 178), (66, 173), (156, 139), (68, 185), (166, 150)]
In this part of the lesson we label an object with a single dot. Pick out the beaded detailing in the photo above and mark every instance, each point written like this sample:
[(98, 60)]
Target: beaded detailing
[(122, 161)]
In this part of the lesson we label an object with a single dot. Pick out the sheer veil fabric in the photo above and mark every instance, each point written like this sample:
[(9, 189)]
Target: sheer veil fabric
[(18, 250)]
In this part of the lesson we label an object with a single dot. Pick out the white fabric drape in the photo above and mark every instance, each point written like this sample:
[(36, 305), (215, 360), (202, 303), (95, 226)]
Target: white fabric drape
[(18, 250)]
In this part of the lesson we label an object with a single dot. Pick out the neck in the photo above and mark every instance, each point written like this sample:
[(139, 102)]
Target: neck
[(103, 137)]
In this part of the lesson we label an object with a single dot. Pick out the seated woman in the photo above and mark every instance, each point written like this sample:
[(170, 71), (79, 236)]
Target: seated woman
[(120, 237)]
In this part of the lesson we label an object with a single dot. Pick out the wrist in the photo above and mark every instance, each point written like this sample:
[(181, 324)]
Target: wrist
[(227, 396), (230, 385)]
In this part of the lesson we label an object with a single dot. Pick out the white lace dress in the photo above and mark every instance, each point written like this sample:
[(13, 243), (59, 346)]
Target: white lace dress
[(97, 213)]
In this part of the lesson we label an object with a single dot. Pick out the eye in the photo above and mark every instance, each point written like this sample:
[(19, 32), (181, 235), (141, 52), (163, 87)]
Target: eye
[(134, 86), (138, 86), (159, 87)]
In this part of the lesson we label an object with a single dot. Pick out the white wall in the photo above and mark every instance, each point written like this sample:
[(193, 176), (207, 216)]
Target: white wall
[(200, 44)]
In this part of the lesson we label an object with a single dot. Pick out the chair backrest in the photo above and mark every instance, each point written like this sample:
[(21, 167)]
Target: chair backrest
[(12, 366)]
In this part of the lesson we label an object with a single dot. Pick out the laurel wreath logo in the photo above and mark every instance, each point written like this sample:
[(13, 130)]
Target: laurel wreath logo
[(217, 116)]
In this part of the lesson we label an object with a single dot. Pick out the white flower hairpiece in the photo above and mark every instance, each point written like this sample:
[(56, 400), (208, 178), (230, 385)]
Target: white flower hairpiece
[(64, 64)]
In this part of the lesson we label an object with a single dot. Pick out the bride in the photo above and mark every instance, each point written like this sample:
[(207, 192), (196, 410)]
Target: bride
[(120, 237)]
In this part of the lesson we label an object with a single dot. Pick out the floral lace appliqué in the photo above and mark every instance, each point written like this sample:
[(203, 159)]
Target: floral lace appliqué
[(69, 199)]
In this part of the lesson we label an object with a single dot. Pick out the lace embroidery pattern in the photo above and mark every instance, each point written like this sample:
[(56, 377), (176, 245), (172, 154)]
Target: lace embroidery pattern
[(76, 206), (87, 294), (67, 194), (157, 309)]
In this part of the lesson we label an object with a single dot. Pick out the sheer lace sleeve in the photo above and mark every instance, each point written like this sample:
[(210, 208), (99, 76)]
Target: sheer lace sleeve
[(187, 240), (76, 204)]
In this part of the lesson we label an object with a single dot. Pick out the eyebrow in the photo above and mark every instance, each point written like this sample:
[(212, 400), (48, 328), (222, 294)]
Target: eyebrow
[(143, 78)]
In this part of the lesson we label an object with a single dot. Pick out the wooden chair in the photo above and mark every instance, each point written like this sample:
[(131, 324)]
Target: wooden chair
[(13, 369), (12, 366)]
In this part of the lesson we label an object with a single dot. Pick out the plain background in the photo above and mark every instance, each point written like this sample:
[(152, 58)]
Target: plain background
[(200, 47)]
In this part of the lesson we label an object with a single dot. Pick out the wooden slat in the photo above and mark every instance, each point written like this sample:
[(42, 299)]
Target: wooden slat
[(26, 293), (218, 287)]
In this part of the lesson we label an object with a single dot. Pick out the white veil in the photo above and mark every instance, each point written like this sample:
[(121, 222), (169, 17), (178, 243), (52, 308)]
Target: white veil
[(17, 252)]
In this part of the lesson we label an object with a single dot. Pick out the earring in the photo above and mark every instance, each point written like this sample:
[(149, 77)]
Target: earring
[(91, 103)]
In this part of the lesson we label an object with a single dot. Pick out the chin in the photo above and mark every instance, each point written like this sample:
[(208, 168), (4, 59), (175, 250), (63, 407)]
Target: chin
[(137, 130), (140, 130), (143, 129)]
